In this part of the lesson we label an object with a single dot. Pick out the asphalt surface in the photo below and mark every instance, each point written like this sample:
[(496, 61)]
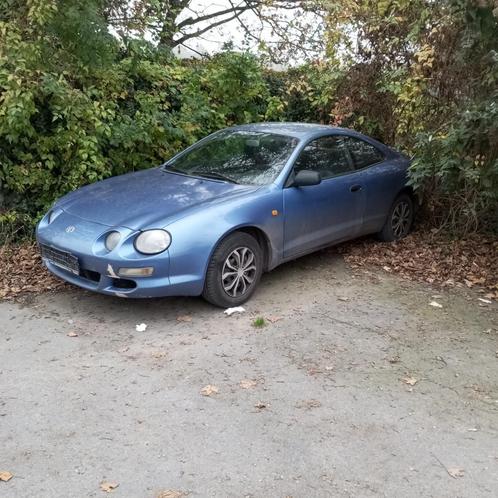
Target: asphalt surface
[(359, 388)]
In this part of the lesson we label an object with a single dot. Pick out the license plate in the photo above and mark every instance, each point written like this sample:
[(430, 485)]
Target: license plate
[(62, 259)]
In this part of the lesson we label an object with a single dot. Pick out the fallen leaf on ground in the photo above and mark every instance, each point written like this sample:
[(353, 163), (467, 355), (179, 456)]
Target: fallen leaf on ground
[(247, 383), (184, 318), (308, 404), (141, 327), (456, 472), (485, 301), (22, 271), (260, 406), (6, 475), (209, 390), (433, 258), (435, 304), (274, 319), (72, 334), (108, 486), (171, 493), (411, 381)]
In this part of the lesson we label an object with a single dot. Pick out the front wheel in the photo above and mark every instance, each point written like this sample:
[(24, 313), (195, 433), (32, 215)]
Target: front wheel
[(234, 271), (399, 220)]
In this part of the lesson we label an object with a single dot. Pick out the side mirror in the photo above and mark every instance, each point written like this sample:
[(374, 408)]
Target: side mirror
[(307, 178)]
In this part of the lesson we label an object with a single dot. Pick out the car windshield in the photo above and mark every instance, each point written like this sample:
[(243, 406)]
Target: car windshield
[(237, 156)]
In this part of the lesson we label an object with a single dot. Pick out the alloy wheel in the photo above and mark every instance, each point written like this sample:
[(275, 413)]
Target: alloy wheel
[(401, 219), (239, 272)]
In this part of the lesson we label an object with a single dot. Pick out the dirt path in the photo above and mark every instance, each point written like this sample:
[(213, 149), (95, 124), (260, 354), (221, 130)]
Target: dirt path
[(325, 408)]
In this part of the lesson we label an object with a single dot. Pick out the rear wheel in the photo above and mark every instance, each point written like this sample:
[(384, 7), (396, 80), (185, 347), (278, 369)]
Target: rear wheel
[(234, 271), (399, 220)]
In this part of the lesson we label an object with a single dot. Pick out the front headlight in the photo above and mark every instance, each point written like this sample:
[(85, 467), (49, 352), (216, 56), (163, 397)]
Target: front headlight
[(112, 240), (153, 241)]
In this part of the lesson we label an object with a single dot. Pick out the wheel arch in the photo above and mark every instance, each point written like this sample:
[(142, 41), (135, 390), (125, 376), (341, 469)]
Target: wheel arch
[(260, 236), (409, 190)]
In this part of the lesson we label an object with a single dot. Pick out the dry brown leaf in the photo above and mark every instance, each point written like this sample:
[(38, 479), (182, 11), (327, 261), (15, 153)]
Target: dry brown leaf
[(171, 493), (309, 404), (431, 257), (260, 406), (248, 383), (72, 334), (209, 390), (183, 318), (5, 475), (108, 486), (411, 381), (456, 472)]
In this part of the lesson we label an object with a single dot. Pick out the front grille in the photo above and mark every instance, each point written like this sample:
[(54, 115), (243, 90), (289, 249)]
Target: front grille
[(60, 258)]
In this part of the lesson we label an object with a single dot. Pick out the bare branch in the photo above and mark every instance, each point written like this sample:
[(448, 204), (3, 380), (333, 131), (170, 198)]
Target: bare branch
[(194, 34), (194, 20)]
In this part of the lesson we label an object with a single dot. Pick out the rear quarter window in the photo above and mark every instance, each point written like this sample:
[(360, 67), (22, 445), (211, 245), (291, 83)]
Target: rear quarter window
[(363, 153)]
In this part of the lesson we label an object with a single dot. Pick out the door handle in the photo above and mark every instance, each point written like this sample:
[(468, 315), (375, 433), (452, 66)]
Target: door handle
[(355, 188)]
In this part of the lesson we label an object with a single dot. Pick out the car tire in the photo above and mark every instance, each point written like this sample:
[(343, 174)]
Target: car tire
[(399, 221), (234, 271)]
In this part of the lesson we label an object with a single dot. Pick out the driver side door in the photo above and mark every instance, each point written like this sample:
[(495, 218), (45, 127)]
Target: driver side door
[(319, 215)]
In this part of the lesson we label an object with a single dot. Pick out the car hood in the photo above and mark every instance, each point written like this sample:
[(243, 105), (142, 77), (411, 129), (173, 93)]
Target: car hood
[(145, 199)]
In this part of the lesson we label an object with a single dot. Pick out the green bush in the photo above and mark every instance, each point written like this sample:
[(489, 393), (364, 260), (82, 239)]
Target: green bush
[(456, 171), (77, 106), (68, 119)]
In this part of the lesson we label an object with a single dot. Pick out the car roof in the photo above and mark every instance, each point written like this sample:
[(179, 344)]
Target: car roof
[(308, 131), (298, 130)]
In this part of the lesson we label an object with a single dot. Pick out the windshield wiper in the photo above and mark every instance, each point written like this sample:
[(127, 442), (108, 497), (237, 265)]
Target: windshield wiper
[(169, 167), (213, 174)]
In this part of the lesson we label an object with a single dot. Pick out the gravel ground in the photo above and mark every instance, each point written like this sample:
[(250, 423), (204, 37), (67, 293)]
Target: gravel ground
[(359, 388)]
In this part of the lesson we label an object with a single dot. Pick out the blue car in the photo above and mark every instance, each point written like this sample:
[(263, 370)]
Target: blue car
[(213, 218)]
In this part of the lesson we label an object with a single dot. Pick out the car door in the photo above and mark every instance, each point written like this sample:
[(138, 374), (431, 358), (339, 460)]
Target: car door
[(380, 178), (331, 211)]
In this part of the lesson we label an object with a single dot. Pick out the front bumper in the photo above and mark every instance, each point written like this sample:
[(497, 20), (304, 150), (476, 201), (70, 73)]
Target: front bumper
[(98, 270), (139, 287)]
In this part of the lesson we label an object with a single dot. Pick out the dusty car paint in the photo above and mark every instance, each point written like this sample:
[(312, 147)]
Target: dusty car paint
[(199, 212)]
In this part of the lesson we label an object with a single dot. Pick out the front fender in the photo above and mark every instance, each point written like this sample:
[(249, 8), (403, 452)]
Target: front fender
[(195, 237)]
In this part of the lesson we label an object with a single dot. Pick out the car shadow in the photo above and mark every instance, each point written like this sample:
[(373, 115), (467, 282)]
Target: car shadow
[(306, 271)]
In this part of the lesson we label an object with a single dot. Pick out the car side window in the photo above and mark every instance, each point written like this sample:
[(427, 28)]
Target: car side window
[(327, 155), (363, 153)]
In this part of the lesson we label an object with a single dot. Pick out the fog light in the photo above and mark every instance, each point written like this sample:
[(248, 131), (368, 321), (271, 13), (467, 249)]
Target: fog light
[(136, 272)]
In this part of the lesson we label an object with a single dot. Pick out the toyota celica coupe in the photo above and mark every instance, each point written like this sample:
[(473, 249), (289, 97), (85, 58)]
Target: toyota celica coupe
[(213, 218)]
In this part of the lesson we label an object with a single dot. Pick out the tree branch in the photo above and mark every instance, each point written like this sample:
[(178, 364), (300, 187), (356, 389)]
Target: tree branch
[(191, 20), (194, 34)]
